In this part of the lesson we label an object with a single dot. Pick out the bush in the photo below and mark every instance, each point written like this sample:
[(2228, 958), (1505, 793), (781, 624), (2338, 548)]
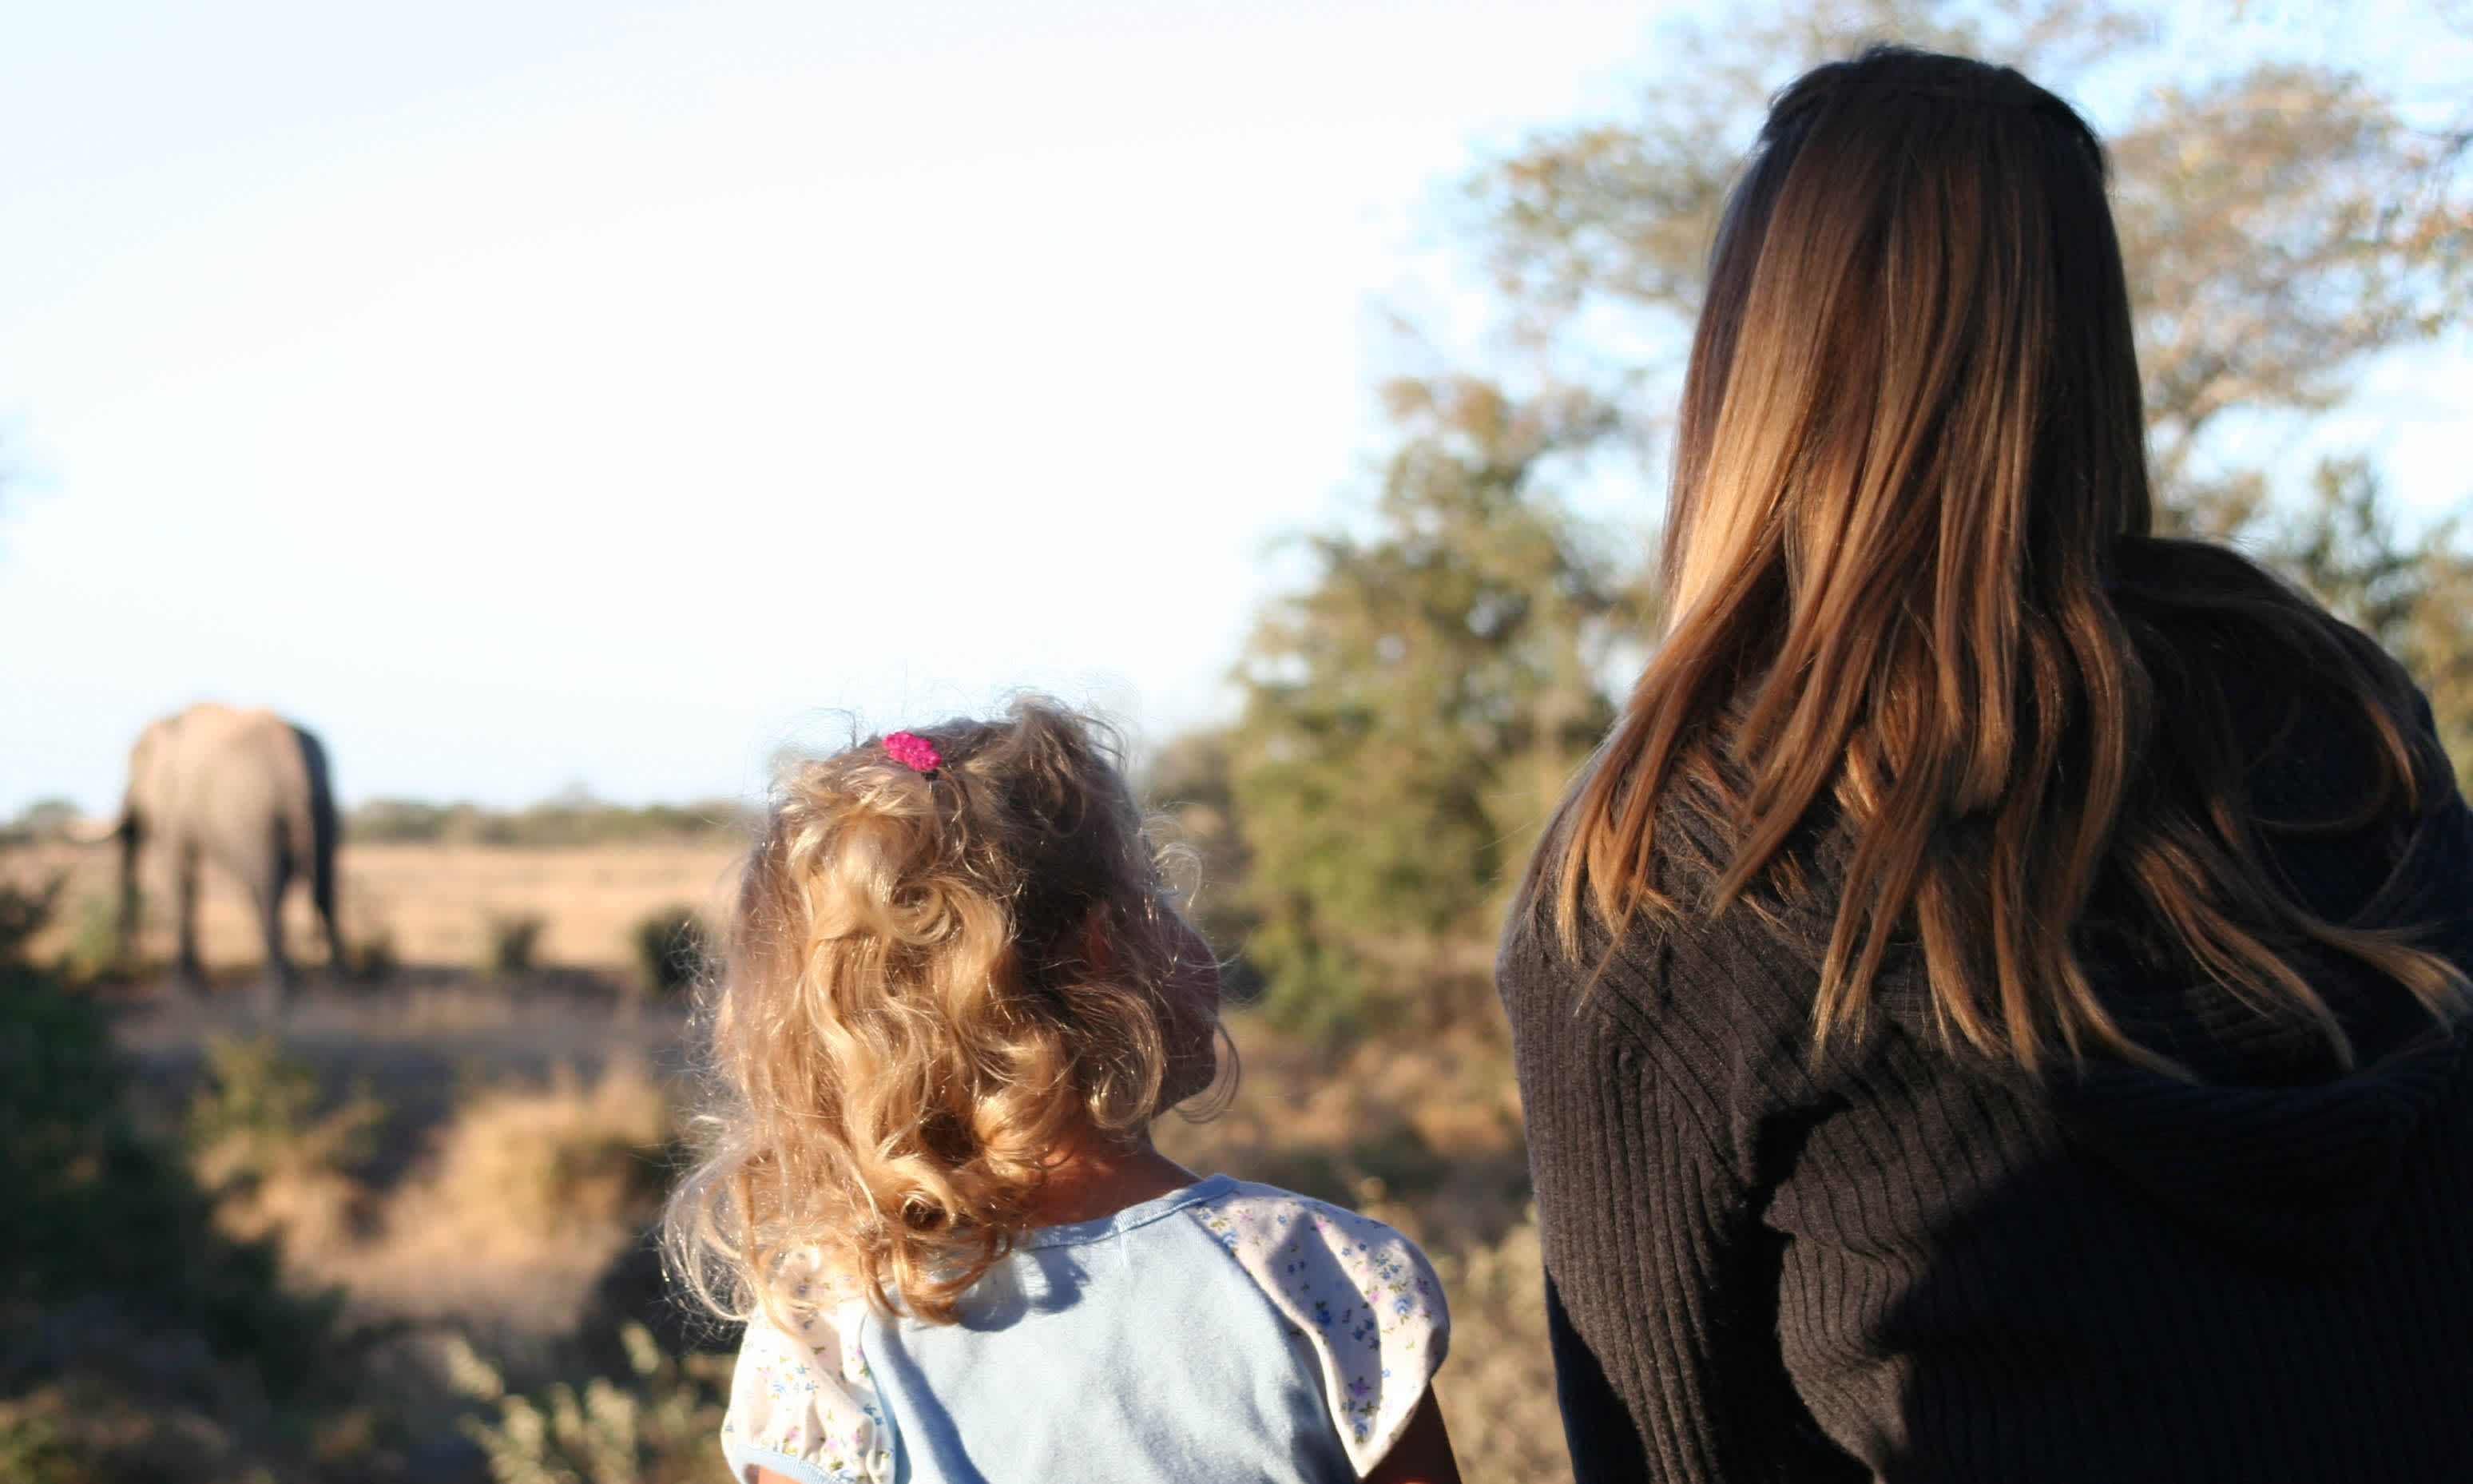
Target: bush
[(515, 943), (24, 912), (45, 818), (275, 1165), (670, 949), (91, 1209), (654, 1428), (1308, 986), (373, 957), (92, 950)]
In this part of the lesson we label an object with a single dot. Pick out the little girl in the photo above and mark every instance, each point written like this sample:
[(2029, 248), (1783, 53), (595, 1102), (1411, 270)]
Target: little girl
[(956, 999)]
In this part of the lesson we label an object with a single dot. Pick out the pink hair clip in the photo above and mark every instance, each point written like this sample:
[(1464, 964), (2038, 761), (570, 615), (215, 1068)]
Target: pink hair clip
[(913, 751)]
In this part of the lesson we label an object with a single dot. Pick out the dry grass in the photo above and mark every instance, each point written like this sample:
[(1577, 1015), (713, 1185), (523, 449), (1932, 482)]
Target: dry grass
[(528, 1195), (437, 902), (517, 1212), (431, 905), (1498, 1387), (1422, 1131), (503, 1228)]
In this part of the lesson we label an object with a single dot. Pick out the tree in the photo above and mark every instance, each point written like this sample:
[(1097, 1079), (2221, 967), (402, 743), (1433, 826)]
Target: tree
[(1413, 711), (2283, 222), (2412, 595)]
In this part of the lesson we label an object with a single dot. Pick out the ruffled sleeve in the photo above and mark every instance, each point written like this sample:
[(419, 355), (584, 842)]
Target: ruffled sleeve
[(1360, 1291), (802, 1404)]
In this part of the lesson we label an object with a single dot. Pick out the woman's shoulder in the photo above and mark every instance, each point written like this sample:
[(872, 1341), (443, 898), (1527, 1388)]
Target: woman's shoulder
[(1354, 1287), (1691, 964), (2256, 685), (2201, 613)]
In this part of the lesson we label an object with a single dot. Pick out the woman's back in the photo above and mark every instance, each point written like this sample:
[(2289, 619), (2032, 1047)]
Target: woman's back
[(1948, 1267)]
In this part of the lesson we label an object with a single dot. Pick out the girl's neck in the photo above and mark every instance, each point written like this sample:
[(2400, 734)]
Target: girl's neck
[(1095, 1177)]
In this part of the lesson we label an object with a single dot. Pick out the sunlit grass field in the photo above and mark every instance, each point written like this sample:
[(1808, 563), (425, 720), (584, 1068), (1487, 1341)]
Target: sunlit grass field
[(422, 905)]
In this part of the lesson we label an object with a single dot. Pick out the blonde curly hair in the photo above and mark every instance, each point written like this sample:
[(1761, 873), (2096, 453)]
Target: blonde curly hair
[(934, 982)]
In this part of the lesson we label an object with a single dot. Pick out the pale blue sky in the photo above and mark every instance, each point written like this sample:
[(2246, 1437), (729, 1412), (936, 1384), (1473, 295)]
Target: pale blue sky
[(531, 394)]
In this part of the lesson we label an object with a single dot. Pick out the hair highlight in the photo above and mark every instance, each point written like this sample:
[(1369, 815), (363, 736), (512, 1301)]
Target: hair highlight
[(1910, 487), (932, 984)]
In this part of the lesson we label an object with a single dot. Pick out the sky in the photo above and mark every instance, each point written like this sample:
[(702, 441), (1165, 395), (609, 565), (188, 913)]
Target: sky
[(527, 396)]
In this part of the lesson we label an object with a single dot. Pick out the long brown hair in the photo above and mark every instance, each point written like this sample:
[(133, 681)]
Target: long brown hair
[(1910, 477)]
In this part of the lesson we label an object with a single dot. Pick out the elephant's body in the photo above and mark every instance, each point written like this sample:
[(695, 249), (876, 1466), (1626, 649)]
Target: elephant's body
[(247, 790)]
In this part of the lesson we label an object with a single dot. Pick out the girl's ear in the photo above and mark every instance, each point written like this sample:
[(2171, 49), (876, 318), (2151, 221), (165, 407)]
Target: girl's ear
[(1098, 947), (1193, 980), (1196, 970)]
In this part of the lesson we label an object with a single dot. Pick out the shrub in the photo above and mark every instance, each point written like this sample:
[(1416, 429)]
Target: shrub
[(45, 818), (373, 957), (515, 943), (1307, 985), (92, 1209), (275, 1164), (656, 1426), (24, 912), (670, 949), (93, 948)]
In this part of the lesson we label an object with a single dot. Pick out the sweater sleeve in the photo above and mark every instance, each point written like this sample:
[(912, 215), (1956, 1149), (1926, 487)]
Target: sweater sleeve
[(1646, 1099), (1664, 1286)]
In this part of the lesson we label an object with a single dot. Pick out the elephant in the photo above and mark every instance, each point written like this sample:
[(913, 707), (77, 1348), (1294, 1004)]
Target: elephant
[(247, 790)]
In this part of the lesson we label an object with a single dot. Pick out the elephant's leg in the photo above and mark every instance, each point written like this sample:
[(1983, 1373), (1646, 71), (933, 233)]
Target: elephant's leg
[(322, 895), (269, 886), (185, 907), (125, 942)]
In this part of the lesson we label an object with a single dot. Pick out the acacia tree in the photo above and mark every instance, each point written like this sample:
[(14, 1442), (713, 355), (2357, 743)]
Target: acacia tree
[(1413, 711), (2284, 224)]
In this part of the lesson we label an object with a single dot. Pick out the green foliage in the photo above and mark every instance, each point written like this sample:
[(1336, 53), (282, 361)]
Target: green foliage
[(2412, 595), (670, 949), (576, 821), (93, 948), (173, 1335), (24, 912), (259, 1119), (90, 1207), (654, 1428), (1413, 712), (32, 1450)]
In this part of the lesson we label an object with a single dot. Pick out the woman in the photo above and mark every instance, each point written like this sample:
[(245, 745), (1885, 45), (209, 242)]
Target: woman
[(1994, 1007)]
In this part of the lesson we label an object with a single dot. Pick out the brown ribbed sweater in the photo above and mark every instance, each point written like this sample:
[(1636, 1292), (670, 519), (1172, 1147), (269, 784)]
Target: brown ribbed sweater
[(1906, 1266)]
